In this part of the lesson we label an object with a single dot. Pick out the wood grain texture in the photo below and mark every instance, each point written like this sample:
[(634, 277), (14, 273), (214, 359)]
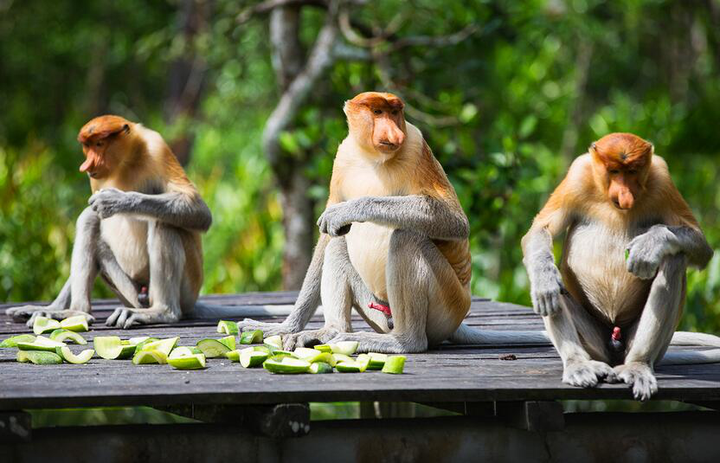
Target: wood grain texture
[(446, 374)]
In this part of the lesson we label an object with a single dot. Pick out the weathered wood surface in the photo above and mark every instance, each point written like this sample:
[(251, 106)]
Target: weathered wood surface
[(446, 374)]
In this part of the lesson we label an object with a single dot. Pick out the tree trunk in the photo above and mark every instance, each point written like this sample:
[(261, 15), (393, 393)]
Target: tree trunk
[(299, 226)]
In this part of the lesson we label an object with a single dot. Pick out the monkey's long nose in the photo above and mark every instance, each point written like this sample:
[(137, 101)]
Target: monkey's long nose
[(396, 137), (87, 165), (625, 199)]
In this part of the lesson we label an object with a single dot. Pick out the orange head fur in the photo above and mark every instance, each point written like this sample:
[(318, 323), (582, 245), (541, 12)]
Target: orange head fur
[(104, 141), (377, 122), (621, 163)]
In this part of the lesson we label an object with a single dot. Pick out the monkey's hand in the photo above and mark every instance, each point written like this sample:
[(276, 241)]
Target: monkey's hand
[(337, 219), (546, 286), (647, 251), (110, 201)]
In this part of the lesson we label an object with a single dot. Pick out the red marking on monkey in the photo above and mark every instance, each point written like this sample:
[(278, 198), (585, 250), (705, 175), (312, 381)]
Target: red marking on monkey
[(616, 334), (382, 308)]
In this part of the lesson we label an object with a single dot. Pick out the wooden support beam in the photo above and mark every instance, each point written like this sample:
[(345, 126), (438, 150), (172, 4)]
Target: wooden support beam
[(532, 415)]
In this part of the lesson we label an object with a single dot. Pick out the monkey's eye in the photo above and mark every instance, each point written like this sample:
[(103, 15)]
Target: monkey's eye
[(99, 143), (614, 171), (377, 111), (632, 171), (395, 112)]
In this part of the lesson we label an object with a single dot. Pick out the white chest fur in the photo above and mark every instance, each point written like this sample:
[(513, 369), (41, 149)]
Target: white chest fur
[(127, 238)]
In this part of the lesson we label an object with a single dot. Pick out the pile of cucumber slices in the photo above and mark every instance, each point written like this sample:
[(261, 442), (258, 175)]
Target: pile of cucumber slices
[(259, 351)]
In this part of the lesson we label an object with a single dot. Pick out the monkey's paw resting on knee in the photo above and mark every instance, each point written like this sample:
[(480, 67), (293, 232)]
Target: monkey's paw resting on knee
[(546, 290), (640, 377), (587, 373)]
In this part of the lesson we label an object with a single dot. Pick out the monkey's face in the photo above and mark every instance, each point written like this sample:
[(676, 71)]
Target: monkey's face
[(621, 163), (377, 122), (102, 140)]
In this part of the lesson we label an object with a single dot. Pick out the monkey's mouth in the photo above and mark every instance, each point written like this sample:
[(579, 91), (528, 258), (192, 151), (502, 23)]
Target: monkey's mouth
[(389, 146)]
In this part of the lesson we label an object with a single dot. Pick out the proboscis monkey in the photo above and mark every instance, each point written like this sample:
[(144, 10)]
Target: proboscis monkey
[(612, 317), (141, 230), (393, 237)]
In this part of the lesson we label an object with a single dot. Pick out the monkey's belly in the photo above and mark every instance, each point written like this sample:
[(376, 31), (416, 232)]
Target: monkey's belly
[(127, 238), (594, 266), (368, 245)]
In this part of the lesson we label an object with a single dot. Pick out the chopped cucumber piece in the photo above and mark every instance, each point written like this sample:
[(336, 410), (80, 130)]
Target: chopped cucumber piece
[(306, 353), (111, 348), (229, 341), (45, 325), (321, 368), (188, 362), (364, 361), (182, 351), (149, 356), (324, 348), (342, 358), (76, 323), (63, 335), (164, 346), (252, 358), (13, 341), (350, 367), (38, 357), (251, 337), (286, 365), (344, 347), (377, 361), (213, 348), (274, 342), (69, 357), (233, 355), (394, 364), (138, 340), (227, 327), (265, 349), (139, 346), (40, 343)]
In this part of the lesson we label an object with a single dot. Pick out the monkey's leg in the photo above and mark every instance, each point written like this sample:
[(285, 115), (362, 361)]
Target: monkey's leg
[(578, 339), (419, 280), (74, 298), (118, 281), (654, 331), (167, 265)]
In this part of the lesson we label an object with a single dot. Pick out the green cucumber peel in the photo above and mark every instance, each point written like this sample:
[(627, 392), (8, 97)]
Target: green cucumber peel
[(140, 345), (253, 358), (43, 325), (70, 357), (286, 365), (147, 356), (63, 335), (38, 357), (274, 342), (342, 358), (164, 346), (182, 351), (229, 341), (377, 361), (321, 368), (41, 343), (349, 367), (188, 362), (344, 347), (251, 337), (112, 348), (14, 340), (227, 327), (324, 348), (77, 323), (394, 364), (213, 348)]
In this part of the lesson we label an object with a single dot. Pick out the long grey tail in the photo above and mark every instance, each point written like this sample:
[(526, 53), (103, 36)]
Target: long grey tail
[(687, 338), (468, 335), (208, 311)]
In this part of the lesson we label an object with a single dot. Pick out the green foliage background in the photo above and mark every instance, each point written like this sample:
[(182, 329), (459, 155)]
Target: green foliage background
[(517, 88)]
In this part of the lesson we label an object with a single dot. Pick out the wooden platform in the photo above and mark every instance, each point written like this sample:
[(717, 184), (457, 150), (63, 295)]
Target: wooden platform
[(446, 374)]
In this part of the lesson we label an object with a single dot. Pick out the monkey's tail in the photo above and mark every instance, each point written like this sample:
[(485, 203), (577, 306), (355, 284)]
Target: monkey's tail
[(688, 338), (210, 311), (691, 357), (468, 335)]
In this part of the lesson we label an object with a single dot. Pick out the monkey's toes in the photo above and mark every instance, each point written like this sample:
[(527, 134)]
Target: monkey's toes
[(640, 378), (583, 374)]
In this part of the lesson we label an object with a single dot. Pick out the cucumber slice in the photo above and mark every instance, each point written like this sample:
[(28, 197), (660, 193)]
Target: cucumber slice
[(252, 358), (45, 325), (182, 351), (344, 347), (111, 348), (13, 341), (139, 340), (274, 342), (364, 361), (76, 323), (189, 362), (342, 358), (324, 348), (306, 353), (394, 364), (286, 365), (233, 355), (164, 346), (251, 337), (69, 357), (377, 360), (63, 335), (41, 343), (265, 349), (38, 357), (227, 327), (213, 348), (320, 368), (349, 367), (139, 346), (144, 357), (229, 341)]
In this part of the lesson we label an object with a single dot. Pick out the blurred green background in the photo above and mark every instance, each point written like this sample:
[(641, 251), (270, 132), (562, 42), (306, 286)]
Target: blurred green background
[(507, 93)]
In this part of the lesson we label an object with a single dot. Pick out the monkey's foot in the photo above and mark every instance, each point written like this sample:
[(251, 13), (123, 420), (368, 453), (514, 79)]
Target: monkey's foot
[(124, 317), (383, 343), (587, 373), (309, 338), (640, 377), (31, 312), (268, 329)]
